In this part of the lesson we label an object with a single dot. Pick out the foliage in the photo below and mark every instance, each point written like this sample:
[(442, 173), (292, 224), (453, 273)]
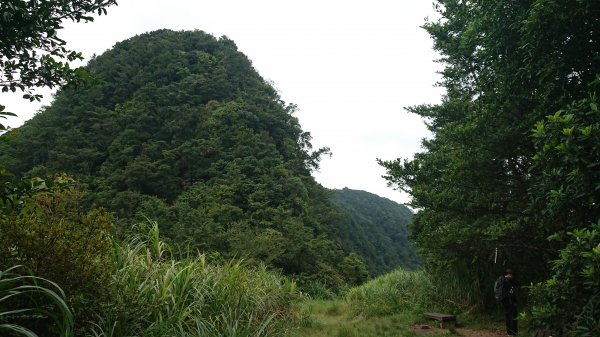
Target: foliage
[(54, 238), (183, 130), (395, 292), (353, 269), (3, 115), (30, 291), (508, 65), (157, 295), (411, 292), (13, 194), (375, 228), (32, 53), (570, 300), (565, 195), (566, 191)]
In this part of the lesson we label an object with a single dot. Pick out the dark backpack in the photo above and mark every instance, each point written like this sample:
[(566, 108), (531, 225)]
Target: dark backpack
[(499, 289)]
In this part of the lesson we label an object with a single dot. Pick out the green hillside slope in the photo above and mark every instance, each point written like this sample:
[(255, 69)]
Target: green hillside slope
[(181, 128), (375, 228)]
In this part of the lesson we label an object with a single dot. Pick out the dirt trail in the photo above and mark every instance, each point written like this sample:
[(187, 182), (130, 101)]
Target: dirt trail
[(465, 332)]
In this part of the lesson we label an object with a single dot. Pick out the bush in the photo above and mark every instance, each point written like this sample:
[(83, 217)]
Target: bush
[(570, 300), (55, 239)]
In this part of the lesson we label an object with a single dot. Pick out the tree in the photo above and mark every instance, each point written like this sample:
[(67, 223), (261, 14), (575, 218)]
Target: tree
[(31, 52), (52, 236), (353, 269), (508, 65), (570, 299), (565, 197), (13, 194)]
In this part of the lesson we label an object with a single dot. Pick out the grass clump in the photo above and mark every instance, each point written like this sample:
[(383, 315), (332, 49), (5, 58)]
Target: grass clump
[(159, 296), (398, 291), (413, 292), (20, 309)]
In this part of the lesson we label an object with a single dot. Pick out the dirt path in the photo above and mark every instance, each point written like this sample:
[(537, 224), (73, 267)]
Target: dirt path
[(479, 333), (465, 332)]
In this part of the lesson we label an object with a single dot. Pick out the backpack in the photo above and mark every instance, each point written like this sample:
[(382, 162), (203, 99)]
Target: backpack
[(499, 290)]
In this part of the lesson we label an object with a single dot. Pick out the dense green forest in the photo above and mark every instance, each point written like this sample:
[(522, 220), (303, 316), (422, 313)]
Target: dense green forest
[(510, 176), (376, 229), (179, 128)]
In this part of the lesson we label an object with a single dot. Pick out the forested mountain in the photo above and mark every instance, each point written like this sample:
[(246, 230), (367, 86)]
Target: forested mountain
[(376, 229), (180, 128)]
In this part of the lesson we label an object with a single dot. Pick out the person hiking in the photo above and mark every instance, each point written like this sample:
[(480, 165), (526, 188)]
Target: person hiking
[(506, 293)]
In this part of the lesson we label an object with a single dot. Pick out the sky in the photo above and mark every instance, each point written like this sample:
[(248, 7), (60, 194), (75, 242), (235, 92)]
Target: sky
[(351, 67)]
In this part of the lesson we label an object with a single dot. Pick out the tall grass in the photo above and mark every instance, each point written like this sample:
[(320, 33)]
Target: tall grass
[(411, 292), (398, 291), (155, 295), (29, 300)]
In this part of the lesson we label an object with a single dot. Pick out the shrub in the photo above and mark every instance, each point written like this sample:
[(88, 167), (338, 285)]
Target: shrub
[(570, 300), (54, 238)]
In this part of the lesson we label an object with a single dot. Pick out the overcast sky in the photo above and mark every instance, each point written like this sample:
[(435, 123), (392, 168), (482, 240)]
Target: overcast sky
[(350, 66)]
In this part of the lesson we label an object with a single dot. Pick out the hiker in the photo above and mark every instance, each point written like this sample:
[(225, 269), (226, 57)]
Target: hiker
[(506, 293)]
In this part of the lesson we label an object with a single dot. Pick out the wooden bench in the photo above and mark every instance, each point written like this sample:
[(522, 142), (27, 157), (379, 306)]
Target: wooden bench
[(440, 317)]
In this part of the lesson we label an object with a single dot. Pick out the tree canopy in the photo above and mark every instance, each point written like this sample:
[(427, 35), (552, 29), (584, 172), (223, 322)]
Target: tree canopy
[(498, 173)]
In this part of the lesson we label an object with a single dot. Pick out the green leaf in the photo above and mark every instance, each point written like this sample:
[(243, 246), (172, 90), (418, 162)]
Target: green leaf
[(539, 129), (587, 131), (568, 131), (18, 330)]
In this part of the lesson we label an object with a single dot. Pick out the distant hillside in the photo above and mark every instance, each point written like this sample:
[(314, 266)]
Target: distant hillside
[(375, 228)]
